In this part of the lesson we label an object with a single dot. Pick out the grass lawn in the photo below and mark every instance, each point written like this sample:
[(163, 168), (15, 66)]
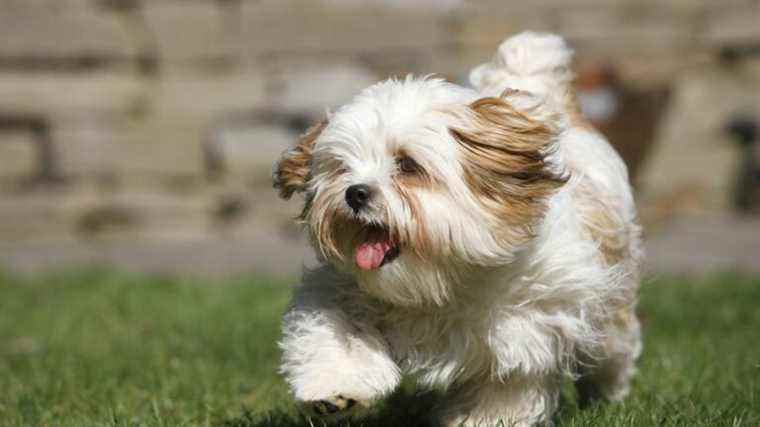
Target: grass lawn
[(104, 348)]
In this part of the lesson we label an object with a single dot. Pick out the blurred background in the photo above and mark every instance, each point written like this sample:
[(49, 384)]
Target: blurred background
[(141, 133)]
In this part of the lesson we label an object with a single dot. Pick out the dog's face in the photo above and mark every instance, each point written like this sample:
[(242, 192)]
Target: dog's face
[(417, 184)]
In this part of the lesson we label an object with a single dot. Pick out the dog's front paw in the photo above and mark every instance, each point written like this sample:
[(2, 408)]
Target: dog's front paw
[(337, 407), (332, 405)]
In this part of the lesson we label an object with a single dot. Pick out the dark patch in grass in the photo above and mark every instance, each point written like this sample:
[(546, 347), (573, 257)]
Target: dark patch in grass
[(403, 408)]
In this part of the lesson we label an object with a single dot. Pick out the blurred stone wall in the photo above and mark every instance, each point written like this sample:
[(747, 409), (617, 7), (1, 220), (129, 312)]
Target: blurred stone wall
[(155, 122)]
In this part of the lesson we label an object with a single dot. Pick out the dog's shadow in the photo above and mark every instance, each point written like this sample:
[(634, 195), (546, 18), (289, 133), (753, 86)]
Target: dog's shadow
[(403, 408)]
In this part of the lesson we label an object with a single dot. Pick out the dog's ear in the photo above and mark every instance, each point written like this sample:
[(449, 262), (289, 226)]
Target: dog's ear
[(505, 153), (292, 171)]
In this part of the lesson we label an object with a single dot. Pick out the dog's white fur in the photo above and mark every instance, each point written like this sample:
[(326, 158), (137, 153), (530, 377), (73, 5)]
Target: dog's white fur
[(494, 322)]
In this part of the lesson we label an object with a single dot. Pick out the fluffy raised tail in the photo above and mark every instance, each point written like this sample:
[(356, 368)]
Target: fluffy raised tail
[(532, 63)]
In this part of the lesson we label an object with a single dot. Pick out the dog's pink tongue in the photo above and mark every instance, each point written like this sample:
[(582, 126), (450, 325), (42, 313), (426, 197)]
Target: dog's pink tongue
[(369, 256)]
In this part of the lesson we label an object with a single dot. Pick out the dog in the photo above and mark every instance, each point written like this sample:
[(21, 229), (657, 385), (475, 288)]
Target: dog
[(483, 240)]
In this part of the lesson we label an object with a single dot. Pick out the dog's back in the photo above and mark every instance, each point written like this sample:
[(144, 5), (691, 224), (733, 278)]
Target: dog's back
[(534, 70)]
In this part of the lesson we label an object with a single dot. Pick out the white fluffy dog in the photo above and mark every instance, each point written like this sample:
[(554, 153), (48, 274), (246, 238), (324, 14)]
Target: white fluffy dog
[(482, 240)]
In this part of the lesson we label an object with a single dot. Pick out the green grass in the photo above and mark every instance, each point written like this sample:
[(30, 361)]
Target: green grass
[(104, 348)]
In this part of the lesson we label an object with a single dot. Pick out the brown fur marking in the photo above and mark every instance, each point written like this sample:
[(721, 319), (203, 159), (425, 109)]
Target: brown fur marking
[(505, 164), (328, 225), (418, 241), (602, 223), (294, 167)]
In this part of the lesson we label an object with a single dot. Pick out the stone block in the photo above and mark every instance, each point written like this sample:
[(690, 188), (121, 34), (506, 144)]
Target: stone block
[(88, 149), (51, 30), (251, 152), (187, 95), (313, 87), (631, 28), (278, 28), (737, 22), (487, 27), (157, 148), (187, 31), (110, 153), (18, 155), (41, 215), (57, 95)]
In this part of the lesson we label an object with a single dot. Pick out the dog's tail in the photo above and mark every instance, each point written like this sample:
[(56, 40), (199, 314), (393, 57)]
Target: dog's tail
[(535, 63)]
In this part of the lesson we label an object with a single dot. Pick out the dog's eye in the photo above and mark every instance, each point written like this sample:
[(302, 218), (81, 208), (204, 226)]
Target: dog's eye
[(407, 165)]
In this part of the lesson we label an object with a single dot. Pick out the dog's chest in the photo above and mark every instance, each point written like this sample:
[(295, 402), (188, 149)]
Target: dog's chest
[(442, 347)]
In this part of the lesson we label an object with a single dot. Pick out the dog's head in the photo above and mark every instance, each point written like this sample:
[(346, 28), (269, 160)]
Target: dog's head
[(416, 184)]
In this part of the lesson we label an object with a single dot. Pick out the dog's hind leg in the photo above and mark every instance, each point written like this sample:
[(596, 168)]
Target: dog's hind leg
[(608, 375), (514, 402)]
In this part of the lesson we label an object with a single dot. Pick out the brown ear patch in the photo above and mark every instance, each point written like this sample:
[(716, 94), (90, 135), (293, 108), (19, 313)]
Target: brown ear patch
[(504, 155), (292, 171)]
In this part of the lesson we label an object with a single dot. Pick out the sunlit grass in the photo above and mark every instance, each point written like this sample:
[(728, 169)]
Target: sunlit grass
[(104, 348)]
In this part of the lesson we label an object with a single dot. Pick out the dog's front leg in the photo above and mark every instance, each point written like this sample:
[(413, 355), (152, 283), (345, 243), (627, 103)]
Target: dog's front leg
[(336, 364)]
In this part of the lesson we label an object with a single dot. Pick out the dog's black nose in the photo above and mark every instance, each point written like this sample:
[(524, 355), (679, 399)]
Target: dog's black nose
[(357, 196)]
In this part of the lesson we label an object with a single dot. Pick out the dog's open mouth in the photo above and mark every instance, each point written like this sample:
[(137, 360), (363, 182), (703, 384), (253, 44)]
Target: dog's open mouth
[(376, 249)]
